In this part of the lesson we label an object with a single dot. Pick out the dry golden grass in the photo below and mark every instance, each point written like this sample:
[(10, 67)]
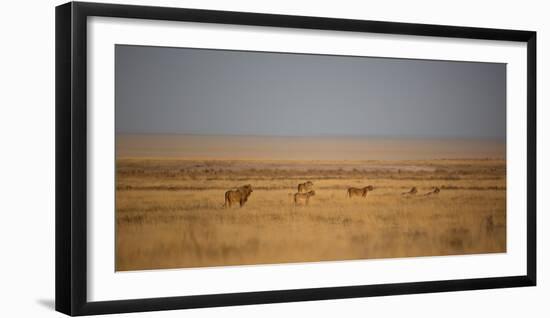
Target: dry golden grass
[(169, 212)]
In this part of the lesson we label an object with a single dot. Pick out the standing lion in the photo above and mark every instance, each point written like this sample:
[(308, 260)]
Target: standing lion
[(305, 187), (239, 195), (356, 192), (303, 198)]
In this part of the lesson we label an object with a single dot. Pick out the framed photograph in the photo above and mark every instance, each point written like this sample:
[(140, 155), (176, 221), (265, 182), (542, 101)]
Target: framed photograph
[(210, 158)]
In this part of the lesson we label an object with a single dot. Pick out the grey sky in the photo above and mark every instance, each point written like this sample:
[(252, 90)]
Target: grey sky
[(196, 91)]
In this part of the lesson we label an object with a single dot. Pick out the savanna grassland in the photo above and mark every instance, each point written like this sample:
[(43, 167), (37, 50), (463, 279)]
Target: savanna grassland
[(170, 214)]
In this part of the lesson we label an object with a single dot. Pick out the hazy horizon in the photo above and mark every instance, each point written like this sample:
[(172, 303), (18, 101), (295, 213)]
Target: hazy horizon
[(161, 90), (186, 146)]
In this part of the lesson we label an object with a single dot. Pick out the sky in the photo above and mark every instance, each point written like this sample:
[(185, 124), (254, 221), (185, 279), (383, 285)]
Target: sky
[(164, 90)]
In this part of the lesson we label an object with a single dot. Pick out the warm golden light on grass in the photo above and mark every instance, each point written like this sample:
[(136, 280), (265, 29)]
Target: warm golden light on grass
[(169, 211)]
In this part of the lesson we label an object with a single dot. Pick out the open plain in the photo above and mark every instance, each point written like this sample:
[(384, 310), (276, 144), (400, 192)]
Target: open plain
[(170, 214)]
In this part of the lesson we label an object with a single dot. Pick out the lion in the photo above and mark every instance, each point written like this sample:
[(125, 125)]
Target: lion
[(300, 198), (356, 192), (305, 187), (239, 195), (435, 190), (412, 191)]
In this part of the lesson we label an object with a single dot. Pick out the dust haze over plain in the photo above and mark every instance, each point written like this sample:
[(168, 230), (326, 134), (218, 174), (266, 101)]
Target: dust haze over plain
[(163, 90)]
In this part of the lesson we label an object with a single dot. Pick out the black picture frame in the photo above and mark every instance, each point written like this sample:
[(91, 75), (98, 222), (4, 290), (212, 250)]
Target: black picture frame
[(71, 157)]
